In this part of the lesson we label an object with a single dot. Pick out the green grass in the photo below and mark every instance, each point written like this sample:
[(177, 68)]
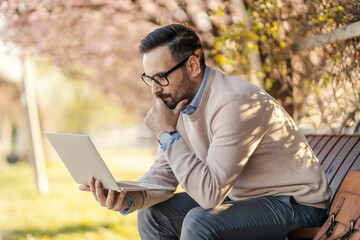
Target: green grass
[(66, 212)]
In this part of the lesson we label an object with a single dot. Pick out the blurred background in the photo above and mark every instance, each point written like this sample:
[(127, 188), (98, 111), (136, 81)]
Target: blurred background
[(73, 67)]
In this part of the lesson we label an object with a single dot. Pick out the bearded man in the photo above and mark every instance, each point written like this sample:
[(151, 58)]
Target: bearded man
[(247, 171)]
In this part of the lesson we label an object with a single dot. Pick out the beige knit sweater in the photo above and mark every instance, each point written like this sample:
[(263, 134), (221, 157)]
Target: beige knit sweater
[(240, 142)]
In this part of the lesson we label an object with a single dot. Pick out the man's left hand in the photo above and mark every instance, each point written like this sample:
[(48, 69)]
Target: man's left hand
[(161, 119), (110, 199)]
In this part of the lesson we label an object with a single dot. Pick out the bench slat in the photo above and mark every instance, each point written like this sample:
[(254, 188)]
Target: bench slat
[(322, 155), (340, 157), (344, 168), (321, 144), (334, 152), (315, 141), (356, 165), (309, 138)]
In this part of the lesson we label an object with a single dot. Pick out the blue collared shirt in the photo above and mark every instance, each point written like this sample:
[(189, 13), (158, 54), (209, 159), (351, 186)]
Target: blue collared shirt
[(190, 109)]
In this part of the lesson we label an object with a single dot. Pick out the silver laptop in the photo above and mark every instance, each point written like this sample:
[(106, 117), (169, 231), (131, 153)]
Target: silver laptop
[(83, 161)]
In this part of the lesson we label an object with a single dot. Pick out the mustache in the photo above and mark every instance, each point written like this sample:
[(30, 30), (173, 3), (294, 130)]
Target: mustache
[(162, 95)]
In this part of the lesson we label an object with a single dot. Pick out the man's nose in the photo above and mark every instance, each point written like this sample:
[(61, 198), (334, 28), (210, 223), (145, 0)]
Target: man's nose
[(156, 88)]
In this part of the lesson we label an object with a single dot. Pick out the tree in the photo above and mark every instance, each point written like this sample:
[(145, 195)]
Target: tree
[(97, 40), (318, 86)]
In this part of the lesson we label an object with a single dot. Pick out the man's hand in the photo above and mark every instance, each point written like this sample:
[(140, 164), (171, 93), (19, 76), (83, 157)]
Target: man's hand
[(110, 199), (161, 119)]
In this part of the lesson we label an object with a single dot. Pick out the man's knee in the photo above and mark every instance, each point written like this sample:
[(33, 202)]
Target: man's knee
[(154, 216), (195, 215), (196, 224)]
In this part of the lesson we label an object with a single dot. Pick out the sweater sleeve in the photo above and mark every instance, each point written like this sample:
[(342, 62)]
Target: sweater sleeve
[(159, 173), (235, 129)]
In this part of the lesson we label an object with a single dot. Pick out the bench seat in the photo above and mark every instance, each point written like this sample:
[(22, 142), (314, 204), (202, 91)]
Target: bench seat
[(338, 155)]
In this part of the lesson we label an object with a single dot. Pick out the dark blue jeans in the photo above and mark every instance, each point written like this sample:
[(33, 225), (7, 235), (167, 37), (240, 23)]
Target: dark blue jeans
[(268, 218)]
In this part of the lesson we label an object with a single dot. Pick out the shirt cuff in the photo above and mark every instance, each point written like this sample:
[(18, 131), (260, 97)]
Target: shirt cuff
[(175, 137), (131, 204)]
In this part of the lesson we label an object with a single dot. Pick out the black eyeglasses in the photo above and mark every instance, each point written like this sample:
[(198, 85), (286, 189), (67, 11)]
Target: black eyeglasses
[(161, 78)]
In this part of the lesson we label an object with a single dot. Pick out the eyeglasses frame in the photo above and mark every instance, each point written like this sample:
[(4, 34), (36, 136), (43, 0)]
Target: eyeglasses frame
[(180, 64)]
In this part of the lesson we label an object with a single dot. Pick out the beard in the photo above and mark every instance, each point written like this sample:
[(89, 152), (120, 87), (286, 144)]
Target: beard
[(187, 90)]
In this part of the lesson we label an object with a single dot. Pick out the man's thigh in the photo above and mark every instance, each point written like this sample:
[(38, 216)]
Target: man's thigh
[(257, 218)]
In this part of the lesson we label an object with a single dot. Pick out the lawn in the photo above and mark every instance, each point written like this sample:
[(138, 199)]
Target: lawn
[(66, 212)]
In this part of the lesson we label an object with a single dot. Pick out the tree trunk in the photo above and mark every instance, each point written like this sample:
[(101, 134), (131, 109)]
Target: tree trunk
[(35, 139), (254, 57), (5, 136)]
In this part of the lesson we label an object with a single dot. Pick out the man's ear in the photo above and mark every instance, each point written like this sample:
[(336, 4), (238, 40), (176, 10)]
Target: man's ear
[(194, 67)]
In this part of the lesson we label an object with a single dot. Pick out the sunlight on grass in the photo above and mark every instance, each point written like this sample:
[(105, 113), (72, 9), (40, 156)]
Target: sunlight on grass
[(66, 213)]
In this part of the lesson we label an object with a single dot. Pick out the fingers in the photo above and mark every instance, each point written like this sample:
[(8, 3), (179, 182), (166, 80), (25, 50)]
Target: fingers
[(179, 107), (97, 191), (84, 188), (100, 193), (159, 101), (92, 187), (112, 200)]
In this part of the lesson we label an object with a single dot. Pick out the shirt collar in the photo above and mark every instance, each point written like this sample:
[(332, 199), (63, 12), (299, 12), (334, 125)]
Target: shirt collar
[(191, 108)]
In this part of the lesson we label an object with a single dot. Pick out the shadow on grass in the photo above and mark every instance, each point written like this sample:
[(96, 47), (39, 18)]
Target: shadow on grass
[(49, 233)]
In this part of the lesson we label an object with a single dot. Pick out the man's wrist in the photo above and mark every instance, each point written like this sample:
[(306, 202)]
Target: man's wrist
[(163, 137), (131, 204)]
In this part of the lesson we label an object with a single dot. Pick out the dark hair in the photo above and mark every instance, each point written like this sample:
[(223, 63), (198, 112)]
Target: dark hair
[(182, 42)]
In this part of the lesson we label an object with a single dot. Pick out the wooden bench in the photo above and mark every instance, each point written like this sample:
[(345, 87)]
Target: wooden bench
[(338, 155)]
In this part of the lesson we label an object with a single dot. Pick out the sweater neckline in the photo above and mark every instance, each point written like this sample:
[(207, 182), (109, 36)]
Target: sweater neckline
[(205, 96)]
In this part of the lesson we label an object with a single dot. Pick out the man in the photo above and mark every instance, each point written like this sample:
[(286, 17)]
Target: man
[(247, 171)]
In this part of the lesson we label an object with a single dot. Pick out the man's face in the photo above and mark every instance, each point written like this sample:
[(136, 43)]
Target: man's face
[(181, 86)]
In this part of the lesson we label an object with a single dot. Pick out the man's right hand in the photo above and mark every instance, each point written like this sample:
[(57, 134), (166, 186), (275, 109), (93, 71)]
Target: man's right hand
[(110, 199)]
